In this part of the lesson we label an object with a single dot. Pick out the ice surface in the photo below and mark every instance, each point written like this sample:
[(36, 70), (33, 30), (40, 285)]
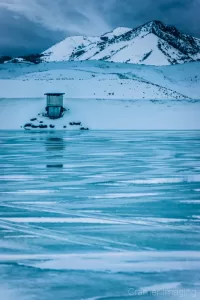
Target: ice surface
[(120, 219)]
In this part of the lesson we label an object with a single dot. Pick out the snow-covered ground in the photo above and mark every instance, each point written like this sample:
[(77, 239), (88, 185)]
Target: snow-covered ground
[(102, 95), (104, 114)]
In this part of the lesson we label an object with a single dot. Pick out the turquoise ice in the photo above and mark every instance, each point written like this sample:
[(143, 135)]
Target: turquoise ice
[(100, 215)]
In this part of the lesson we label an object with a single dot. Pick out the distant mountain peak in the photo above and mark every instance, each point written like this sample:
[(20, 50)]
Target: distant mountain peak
[(117, 32), (153, 43)]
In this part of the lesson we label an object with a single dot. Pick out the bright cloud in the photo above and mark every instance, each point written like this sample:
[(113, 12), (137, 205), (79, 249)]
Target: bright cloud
[(79, 17)]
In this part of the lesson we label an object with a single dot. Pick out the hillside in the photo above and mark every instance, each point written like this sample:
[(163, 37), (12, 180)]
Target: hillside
[(153, 43), (102, 95), (99, 79)]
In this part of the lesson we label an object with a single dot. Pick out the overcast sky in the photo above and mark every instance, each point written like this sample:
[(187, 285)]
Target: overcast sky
[(31, 26)]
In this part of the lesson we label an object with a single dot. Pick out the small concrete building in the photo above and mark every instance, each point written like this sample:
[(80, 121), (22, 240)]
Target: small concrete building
[(54, 105)]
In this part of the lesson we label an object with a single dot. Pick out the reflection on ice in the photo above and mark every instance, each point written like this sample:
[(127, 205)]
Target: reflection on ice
[(54, 148), (55, 166)]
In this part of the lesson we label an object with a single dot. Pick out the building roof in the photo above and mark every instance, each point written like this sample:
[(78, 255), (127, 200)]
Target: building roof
[(54, 94)]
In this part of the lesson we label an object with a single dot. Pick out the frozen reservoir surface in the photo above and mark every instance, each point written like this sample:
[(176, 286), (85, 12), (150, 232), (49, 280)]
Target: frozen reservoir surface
[(100, 215)]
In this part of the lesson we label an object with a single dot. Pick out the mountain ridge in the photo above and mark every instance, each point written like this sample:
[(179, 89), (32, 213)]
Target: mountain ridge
[(152, 43)]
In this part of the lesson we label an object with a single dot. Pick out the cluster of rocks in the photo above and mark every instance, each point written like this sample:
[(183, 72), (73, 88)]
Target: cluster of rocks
[(78, 124), (75, 123), (41, 125)]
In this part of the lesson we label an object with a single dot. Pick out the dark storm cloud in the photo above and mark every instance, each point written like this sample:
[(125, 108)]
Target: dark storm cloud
[(34, 25), (22, 36), (184, 14)]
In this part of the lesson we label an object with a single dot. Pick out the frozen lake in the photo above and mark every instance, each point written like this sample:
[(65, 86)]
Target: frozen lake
[(100, 215)]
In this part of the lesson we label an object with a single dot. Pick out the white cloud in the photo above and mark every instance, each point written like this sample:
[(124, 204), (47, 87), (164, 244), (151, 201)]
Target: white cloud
[(75, 16)]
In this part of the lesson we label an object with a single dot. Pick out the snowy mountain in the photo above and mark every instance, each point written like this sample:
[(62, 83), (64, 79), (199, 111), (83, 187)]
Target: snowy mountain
[(151, 44)]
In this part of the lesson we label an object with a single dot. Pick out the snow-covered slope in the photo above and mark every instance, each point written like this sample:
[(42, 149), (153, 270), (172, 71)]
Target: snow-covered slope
[(105, 80), (102, 95), (98, 79), (152, 44), (64, 49)]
